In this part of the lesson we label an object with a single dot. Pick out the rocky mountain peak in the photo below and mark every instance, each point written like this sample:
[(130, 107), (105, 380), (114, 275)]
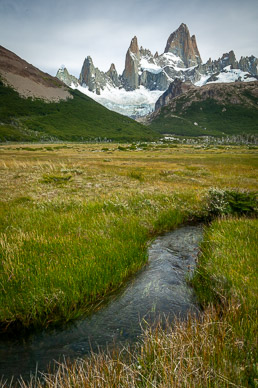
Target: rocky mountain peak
[(229, 59), (181, 44), (134, 48), (95, 79), (132, 60), (113, 75), (64, 75), (112, 67)]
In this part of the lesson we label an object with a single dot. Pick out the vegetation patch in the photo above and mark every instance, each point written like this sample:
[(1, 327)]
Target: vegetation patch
[(71, 253), (58, 179), (218, 349), (227, 278), (77, 119), (226, 202), (207, 117)]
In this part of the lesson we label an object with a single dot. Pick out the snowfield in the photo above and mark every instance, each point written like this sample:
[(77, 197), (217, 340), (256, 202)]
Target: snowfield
[(227, 75), (139, 102)]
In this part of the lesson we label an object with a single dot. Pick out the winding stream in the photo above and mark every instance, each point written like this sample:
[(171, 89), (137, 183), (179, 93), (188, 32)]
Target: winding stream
[(158, 289)]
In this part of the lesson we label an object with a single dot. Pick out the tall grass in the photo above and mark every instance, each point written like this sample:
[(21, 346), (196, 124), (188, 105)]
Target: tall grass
[(73, 227), (215, 350), (227, 278), (57, 259)]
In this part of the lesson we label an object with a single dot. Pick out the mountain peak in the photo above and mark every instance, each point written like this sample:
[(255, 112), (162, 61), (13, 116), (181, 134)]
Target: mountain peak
[(112, 67), (134, 48), (64, 76), (183, 27), (181, 44)]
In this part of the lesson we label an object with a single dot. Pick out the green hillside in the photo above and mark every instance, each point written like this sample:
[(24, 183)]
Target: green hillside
[(212, 117), (77, 119)]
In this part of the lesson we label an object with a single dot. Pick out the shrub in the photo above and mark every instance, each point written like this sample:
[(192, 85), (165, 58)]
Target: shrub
[(57, 179), (136, 175), (225, 202)]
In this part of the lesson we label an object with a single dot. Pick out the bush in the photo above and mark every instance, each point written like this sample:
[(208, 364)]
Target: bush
[(225, 202), (57, 179)]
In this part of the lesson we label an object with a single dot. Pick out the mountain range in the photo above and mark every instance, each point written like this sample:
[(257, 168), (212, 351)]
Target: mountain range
[(34, 106), (170, 93), (147, 76)]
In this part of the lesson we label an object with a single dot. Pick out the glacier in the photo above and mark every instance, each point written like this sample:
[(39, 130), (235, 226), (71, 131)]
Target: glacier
[(139, 102)]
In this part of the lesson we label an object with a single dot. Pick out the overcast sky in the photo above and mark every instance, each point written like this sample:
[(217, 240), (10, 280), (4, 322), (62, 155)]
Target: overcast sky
[(49, 33)]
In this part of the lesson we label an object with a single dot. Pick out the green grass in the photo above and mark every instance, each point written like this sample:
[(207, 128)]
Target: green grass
[(57, 259), (77, 119), (214, 350), (211, 119), (227, 278), (66, 243)]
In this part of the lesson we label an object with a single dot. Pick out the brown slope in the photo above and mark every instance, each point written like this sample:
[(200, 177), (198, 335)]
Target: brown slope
[(29, 81), (237, 93)]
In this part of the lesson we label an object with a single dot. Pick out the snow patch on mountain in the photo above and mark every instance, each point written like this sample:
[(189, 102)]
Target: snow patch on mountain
[(227, 75), (151, 67), (139, 102)]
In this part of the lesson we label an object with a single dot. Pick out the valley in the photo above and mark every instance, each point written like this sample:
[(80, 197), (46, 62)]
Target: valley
[(105, 177), (76, 220)]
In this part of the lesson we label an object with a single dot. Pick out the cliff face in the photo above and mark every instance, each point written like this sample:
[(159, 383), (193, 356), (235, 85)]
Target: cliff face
[(181, 44), (95, 79), (112, 74), (130, 75), (175, 89)]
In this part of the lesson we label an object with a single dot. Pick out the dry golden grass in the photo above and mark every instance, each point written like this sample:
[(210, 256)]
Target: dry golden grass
[(98, 174)]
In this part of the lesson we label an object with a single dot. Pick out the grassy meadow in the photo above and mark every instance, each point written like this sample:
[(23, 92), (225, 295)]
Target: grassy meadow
[(216, 350), (75, 222)]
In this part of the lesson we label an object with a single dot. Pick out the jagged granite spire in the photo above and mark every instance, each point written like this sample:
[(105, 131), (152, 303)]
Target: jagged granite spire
[(95, 79), (112, 74), (184, 46), (130, 74)]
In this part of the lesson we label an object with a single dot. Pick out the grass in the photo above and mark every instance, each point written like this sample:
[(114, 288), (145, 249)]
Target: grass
[(77, 119), (227, 278), (65, 244), (216, 350), (211, 117), (64, 257)]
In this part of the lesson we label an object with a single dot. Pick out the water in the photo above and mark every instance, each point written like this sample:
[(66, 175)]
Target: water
[(158, 289)]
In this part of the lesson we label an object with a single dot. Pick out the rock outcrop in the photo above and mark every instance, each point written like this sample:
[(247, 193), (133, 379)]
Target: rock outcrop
[(113, 75), (95, 79), (175, 89), (68, 79), (130, 75), (249, 64), (181, 44)]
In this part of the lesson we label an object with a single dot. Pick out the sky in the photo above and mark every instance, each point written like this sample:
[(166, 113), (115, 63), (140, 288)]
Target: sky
[(51, 33)]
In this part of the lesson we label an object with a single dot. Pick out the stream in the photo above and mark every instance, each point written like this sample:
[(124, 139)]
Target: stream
[(159, 289)]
